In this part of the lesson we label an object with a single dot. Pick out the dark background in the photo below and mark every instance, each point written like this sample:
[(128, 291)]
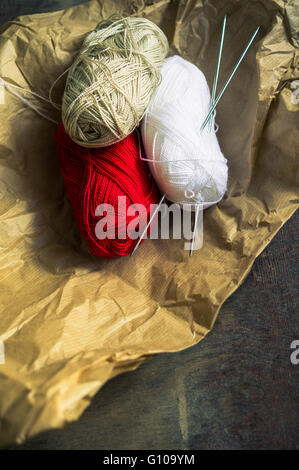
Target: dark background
[(237, 389)]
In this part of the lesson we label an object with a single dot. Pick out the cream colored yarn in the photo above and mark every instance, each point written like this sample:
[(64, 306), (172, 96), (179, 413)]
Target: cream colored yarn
[(111, 82), (186, 162)]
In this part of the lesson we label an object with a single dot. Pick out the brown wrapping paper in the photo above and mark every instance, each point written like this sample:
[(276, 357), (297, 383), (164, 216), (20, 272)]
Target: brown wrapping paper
[(68, 321)]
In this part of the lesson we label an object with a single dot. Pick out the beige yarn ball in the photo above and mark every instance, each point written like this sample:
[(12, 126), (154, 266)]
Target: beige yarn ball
[(111, 82)]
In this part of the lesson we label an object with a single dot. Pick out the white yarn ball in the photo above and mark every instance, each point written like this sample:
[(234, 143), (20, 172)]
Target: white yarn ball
[(187, 163)]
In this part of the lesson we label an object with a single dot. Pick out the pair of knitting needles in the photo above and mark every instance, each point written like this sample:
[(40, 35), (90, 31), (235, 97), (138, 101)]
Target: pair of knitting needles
[(209, 119)]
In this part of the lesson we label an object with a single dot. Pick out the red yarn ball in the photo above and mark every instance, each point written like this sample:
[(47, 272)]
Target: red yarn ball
[(95, 176)]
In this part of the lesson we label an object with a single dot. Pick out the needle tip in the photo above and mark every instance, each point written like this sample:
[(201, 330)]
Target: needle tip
[(134, 249)]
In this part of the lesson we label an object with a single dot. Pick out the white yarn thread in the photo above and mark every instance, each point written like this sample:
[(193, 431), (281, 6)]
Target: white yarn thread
[(11, 88), (187, 163)]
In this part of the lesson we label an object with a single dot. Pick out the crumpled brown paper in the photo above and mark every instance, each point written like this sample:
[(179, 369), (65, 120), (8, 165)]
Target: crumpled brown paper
[(69, 322)]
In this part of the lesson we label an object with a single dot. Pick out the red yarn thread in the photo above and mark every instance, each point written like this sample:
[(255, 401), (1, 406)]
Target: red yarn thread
[(94, 176)]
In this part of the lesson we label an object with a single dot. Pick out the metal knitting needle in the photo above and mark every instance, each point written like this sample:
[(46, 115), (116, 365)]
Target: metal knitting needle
[(229, 79), (194, 230), (147, 226), (215, 101), (218, 68)]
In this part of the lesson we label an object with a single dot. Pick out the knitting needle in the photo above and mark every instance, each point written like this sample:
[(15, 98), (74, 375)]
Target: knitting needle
[(215, 101), (218, 68), (211, 118), (147, 226), (229, 79), (202, 127), (194, 230)]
